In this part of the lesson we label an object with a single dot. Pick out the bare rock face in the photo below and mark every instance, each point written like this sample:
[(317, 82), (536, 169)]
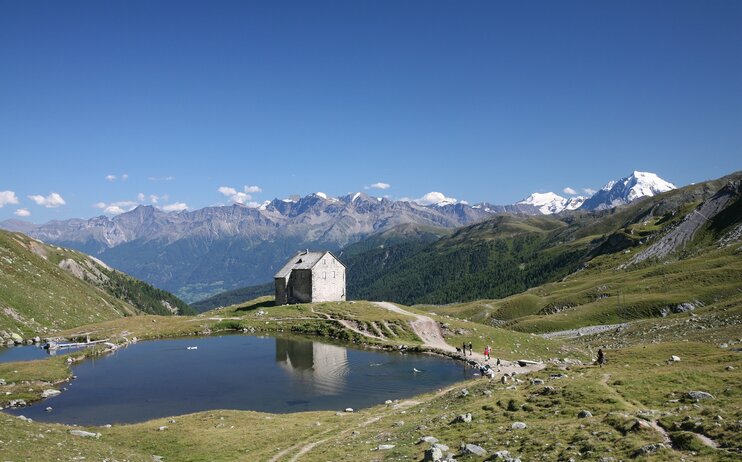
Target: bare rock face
[(682, 234)]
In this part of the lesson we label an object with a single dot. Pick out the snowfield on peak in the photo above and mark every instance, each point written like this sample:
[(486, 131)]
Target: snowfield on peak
[(626, 190), (550, 203)]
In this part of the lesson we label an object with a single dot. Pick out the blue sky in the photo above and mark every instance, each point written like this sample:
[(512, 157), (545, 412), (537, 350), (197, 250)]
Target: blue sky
[(482, 101)]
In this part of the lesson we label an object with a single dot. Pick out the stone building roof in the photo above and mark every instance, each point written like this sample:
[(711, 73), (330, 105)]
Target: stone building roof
[(302, 260)]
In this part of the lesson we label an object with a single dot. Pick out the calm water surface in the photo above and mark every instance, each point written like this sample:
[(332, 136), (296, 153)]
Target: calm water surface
[(164, 378), (29, 352)]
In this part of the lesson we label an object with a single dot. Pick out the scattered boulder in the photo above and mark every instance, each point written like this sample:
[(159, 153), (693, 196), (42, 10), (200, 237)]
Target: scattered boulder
[(84, 434), (474, 449), (558, 376), (506, 457), (50, 392), (2, 382), (674, 358), (526, 362), (463, 418), (432, 455), (348, 409), (584, 414), (384, 447), (441, 446), (464, 392), (17, 403), (649, 449), (548, 390), (537, 382), (389, 401), (162, 428), (700, 395), (427, 439), (519, 426)]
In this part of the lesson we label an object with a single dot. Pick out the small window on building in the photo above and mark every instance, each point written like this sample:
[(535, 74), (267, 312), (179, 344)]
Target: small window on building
[(324, 275), (333, 275)]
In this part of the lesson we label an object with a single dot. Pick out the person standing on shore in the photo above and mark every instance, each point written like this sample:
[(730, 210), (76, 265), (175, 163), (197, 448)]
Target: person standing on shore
[(471, 352)]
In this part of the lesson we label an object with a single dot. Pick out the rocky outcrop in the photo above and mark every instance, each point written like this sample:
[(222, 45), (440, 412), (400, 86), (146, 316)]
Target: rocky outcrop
[(683, 233)]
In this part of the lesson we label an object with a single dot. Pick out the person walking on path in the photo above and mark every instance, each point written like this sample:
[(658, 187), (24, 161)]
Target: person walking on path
[(601, 357), (487, 353)]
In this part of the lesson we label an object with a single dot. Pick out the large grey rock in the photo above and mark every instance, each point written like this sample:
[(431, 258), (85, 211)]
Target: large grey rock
[(474, 449), (584, 414), (50, 392), (427, 439), (518, 426), (384, 447), (433, 455), (441, 446), (84, 434), (463, 418), (699, 395)]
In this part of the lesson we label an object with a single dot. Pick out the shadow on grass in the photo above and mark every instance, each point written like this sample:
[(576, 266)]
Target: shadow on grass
[(255, 306)]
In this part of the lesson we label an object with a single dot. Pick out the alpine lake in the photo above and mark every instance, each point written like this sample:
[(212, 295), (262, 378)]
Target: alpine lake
[(160, 378)]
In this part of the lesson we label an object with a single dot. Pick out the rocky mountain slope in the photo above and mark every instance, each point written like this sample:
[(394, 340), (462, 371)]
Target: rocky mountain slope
[(46, 288)]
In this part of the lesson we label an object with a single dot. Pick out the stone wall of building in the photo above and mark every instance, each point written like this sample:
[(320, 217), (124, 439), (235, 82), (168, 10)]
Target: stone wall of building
[(328, 280), (300, 286)]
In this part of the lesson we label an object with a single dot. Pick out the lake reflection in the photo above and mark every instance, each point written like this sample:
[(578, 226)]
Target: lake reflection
[(317, 365), (271, 374)]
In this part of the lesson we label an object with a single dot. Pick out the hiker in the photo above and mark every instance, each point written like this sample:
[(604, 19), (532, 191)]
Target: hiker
[(463, 348), (498, 364), (471, 352), (601, 357), (487, 353)]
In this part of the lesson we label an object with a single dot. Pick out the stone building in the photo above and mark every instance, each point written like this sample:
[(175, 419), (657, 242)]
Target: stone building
[(310, 277)]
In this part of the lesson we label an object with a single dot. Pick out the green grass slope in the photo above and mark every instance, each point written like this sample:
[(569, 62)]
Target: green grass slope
[(44, 289)]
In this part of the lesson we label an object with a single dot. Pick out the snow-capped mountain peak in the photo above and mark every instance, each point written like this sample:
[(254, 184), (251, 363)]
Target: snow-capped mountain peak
[(547, 203), (626, 190)]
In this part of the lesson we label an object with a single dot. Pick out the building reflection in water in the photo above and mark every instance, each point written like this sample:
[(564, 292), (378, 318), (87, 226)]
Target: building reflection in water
[(320, 366)]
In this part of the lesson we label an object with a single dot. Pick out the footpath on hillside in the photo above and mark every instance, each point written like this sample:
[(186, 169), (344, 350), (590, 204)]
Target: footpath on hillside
[(430, 333)]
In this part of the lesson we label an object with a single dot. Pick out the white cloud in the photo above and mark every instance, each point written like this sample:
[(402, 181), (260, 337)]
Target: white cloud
[(435, 197), (379, 185), (140, 197), (239, 197), (116, 208), (51, 201), (22, 213), (161, 178), (124, 177), (154, 199), (7, 197), (110, 177), (176, 207), (227, 191), (589, 191), (569, 190)]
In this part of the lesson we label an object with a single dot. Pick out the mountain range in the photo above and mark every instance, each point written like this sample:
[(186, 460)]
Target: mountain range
[(198, 253)]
